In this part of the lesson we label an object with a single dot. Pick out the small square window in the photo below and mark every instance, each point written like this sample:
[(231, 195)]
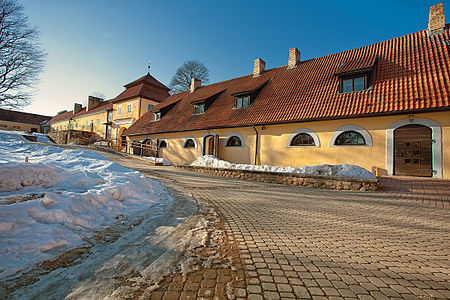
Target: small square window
[(358, 84), (347, 85), (246, 101), (129, 108), (150, 106), (119, 109), (199, 108), (239, 102), (156, 116)]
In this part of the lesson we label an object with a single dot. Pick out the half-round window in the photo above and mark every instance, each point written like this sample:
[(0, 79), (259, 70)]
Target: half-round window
[(234, 141), (350, 138), (302, 139), (163, 144), (189, 143)]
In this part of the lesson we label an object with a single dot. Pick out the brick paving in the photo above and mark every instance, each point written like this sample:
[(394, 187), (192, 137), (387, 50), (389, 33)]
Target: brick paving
[(430, 191), (301, 243)]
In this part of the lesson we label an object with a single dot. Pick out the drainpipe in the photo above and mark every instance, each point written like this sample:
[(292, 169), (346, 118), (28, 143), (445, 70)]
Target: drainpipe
[(256, 144)]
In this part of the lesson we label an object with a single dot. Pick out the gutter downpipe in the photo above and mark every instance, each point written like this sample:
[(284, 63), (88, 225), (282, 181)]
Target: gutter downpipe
[(256, 144)]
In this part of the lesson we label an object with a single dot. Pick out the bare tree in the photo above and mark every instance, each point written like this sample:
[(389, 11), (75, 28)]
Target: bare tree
[(21, 56), (181, 81)]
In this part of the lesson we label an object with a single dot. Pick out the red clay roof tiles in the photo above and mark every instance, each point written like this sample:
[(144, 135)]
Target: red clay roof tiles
[(22, 117), (410, 74)]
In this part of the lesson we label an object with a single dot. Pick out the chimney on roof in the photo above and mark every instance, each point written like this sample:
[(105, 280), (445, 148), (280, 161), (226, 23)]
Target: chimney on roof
[(195, 83), (436, 19), (77, 107), (259, 67), (294, 58), (93, 102)]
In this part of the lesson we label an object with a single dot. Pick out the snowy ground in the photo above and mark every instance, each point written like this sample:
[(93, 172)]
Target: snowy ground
[(61, 198), (343, 170)]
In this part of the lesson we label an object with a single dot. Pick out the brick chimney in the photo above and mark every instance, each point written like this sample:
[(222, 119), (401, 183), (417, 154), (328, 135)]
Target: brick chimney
[(436, 19), (77, 107), (294, 58), (93, 102), (259, 67), (195, 84)]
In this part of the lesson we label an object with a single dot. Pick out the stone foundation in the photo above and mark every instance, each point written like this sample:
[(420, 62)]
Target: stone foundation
[(292, 179), (75, 136)]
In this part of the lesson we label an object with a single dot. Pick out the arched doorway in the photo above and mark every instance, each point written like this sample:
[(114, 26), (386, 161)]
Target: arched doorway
[(121, 141), (136, 148), (147, 148), (210, 145), (413, 151)]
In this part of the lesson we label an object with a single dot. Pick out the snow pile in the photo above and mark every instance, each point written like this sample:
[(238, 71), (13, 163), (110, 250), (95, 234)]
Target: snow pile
[(343, 170), (57, 199), (158, 160)]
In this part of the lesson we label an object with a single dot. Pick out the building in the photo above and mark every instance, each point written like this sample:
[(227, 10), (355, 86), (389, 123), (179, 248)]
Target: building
[(384, 107), (110, 118), (21, 121)]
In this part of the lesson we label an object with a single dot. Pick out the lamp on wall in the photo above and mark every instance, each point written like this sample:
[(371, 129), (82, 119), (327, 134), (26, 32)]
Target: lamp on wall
[(411, 118)]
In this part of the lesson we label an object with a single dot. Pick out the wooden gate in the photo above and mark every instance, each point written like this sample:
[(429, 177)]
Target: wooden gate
[(412, 151)]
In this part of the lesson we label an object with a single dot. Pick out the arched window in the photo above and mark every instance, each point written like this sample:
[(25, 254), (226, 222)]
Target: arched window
[(189, 143), (234, 141), (350, 138), (163, 144), (302, 139)]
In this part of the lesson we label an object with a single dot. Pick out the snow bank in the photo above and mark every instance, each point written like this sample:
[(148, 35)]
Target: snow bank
[(158, 160), (343, 170), (60, 197)]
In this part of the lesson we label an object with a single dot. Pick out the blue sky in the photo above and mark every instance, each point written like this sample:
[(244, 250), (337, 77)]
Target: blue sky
[(99, 46)]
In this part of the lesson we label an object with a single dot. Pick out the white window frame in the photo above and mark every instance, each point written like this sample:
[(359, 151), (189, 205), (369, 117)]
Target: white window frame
[(159, 143), (119, 110), (191, 138), (129, 108), (365, 134), (156, 116), (234, 133), (299, 131)]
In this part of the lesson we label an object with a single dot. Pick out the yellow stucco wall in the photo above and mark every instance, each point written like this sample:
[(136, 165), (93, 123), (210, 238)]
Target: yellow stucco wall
[(7, 125), (273, 150), (83, 123)]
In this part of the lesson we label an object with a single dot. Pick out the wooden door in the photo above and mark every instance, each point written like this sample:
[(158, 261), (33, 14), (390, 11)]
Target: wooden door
[(412, 151)]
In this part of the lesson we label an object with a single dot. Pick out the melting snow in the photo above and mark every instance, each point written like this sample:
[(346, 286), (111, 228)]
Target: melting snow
[(59, 197), (343, 170)]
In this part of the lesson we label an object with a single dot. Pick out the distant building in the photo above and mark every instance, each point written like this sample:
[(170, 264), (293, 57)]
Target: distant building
[(21, 121), (110, 118), (384, 107)]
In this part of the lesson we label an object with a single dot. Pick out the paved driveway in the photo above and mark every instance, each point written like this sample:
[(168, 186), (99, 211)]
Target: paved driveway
[(309, 243)]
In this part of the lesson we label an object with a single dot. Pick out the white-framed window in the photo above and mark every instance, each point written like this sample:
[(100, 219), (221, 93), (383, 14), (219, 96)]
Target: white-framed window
[(199, 108), (242, 101), (129, 108), (85, 124), (119, 109), (350, 136), (98, 122), (234, 139), (189, 142), (157, 116), (163, 143), (303, 137)]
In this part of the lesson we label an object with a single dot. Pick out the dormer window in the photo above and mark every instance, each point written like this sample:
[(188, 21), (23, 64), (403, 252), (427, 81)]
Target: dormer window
[(353, 84), (356, 75), (199, 108), (242, 101), (157, 116)]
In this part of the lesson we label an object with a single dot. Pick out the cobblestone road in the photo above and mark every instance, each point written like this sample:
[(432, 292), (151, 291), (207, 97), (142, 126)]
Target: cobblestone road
[(309, 243)]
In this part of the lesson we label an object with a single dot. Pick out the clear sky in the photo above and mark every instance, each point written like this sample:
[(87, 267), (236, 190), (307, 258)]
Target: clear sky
[(97, 46)]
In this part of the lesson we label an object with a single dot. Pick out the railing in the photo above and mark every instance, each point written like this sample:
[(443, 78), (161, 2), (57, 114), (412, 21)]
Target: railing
[(133, 147)]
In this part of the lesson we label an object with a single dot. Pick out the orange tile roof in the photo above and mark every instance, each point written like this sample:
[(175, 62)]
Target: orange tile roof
[(411, 74), (22, 117), (146, 86), (70, 114)]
